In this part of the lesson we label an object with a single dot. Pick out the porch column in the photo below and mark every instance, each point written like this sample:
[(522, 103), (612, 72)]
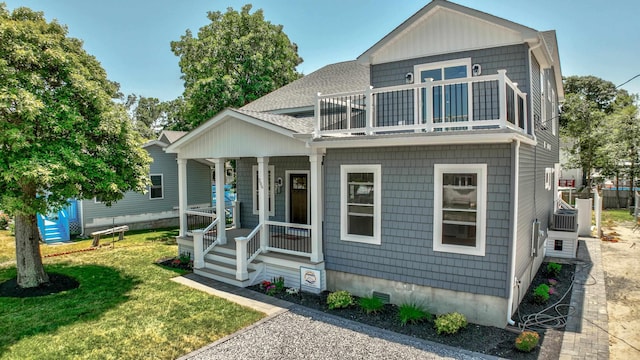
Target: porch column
[(315, 184), (182, 195), (220, 200), (263, 200)]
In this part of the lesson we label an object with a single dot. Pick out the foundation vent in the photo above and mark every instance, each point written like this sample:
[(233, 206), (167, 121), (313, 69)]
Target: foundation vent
[(385, 298)]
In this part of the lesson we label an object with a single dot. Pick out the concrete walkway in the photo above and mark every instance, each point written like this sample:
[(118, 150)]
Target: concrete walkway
[(586, 334), (292, 331)]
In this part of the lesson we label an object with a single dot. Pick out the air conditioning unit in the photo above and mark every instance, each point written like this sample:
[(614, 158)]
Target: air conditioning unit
[(565, 220)]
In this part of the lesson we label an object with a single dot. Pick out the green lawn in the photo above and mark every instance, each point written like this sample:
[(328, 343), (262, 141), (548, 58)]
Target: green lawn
[(125, 308), (611, 216)]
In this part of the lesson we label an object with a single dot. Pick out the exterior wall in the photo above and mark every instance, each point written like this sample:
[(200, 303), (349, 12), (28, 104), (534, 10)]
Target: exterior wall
[(138, 210), (244, 186), (406, 254), (479, 309)]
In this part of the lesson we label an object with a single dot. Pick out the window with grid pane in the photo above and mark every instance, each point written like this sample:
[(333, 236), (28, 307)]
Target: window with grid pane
[(360, 203)]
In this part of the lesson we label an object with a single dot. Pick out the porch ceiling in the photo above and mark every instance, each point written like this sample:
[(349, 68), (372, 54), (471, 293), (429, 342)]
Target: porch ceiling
[(232, 134)]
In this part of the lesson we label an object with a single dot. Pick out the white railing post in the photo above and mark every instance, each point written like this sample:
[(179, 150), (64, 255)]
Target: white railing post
[(316, 130), (502, 96), (263, 196), (369, 110), (198, 254), (235, 213), (242, 272), (315, 186), (220, 200), (428, 86), (182, 195)]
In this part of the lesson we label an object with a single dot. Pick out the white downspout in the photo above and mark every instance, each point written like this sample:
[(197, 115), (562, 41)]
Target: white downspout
[(514, 235)]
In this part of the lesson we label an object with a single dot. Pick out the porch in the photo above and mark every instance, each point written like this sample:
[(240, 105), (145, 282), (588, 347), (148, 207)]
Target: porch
[(247, 256), (456, 104)]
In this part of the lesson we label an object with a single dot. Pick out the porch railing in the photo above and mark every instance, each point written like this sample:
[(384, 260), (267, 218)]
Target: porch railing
[(286, 238), (203, 241), (199, 218), (473, 103), (247, 249)]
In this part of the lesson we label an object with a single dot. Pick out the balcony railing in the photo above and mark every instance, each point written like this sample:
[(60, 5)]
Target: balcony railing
[(464, 104)]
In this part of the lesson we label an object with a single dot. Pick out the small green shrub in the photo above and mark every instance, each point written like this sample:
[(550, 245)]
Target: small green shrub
[(185, 257), (553, 269), (370, 305), (339, 299), (527, 341), (279, 284), (450, 323), (541, 294), (413, 314)]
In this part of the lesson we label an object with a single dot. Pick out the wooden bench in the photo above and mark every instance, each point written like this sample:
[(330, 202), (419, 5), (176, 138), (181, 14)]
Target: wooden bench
[(118, 229)]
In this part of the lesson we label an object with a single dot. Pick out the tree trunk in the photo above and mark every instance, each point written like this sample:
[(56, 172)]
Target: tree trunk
[(28, 260)]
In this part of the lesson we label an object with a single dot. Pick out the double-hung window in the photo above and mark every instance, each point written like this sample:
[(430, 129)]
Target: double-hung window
[(460, 192), (156, 190), (271, 200), (360, 206)]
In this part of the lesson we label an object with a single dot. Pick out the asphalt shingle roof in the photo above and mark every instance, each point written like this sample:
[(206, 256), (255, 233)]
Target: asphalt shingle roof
[(334, 78), (298, 125)]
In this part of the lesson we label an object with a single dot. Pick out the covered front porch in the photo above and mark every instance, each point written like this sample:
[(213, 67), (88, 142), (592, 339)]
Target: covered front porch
[(274, 228)]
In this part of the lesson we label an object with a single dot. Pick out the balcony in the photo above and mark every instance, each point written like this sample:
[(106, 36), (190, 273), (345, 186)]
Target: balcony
[(462, 104)]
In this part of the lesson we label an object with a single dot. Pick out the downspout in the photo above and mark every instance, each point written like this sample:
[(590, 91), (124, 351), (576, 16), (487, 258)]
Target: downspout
[(514, 235)]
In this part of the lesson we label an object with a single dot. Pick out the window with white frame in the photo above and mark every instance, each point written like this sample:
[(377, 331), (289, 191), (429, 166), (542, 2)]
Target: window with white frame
[(459, 218), (271, 198), (554, 112), (156, 190), (360, 204)]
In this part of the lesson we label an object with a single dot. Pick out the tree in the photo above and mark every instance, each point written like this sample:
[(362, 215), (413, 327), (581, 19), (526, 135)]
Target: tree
[(146, 114), (61, 134), (235, 59), (589, 103)]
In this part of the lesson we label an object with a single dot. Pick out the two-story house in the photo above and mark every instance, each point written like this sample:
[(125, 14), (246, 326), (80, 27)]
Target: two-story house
[(422, 171)]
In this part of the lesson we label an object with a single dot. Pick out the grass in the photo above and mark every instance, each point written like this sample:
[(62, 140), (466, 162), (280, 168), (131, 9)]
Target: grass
[(125, 308), (616, 216)]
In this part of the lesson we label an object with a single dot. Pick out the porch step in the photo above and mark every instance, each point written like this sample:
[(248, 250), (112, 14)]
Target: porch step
[(222, 276), (229, 258)]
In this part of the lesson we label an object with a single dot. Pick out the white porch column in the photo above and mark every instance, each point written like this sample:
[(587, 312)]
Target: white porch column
[(315, 184), (502, 95), (263, 199), (220, 200), (182, 195)]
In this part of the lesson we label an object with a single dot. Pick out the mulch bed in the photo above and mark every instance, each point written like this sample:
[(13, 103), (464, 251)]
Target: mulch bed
[(57, 283), (483, 339)]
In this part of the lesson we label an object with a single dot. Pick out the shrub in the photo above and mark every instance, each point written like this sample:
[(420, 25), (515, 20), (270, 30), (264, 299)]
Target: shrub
[(450, 323), (4, 221), (553, 269), (278, 283), (185, 257), (339, 299), (541, 294), (412, 313), (370, 305), (527, 341)]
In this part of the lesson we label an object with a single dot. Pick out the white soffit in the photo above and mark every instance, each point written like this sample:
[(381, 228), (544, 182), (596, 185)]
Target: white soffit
[(443, 31), (232, 137)]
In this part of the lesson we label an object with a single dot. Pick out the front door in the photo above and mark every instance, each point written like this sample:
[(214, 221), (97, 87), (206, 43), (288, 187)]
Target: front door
[(298, 199)]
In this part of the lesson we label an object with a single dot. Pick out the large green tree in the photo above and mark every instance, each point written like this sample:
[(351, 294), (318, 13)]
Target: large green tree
[(61, 133), (590, 103), (235, 59)]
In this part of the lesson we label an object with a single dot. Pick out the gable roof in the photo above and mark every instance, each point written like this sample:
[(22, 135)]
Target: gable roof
[(301, 94), (295, 124), (169, 137), (444, 27)]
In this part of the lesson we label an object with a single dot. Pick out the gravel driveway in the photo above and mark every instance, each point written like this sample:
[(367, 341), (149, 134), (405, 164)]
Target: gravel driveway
[(302, 333)]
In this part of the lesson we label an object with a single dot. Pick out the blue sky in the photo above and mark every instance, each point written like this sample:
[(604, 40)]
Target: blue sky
[(131, 38)]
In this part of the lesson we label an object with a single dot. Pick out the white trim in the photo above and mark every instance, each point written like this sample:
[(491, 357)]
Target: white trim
[(481, 207), (287, 174), (441, 65), (377, 204), (161, 187), (272, 192)]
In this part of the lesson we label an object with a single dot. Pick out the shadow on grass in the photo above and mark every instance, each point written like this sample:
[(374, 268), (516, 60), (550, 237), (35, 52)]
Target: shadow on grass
[(166, 236), (101, 288)]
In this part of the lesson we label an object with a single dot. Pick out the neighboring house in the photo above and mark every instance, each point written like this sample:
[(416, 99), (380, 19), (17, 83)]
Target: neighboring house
[(421, 172), (159, 206)]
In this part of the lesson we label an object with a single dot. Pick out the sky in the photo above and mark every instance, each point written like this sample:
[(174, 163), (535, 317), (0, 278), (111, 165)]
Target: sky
[(131, 38)]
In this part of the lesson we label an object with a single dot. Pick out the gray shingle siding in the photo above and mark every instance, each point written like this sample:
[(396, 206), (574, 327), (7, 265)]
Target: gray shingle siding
[(134, 203), (406, 252)]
